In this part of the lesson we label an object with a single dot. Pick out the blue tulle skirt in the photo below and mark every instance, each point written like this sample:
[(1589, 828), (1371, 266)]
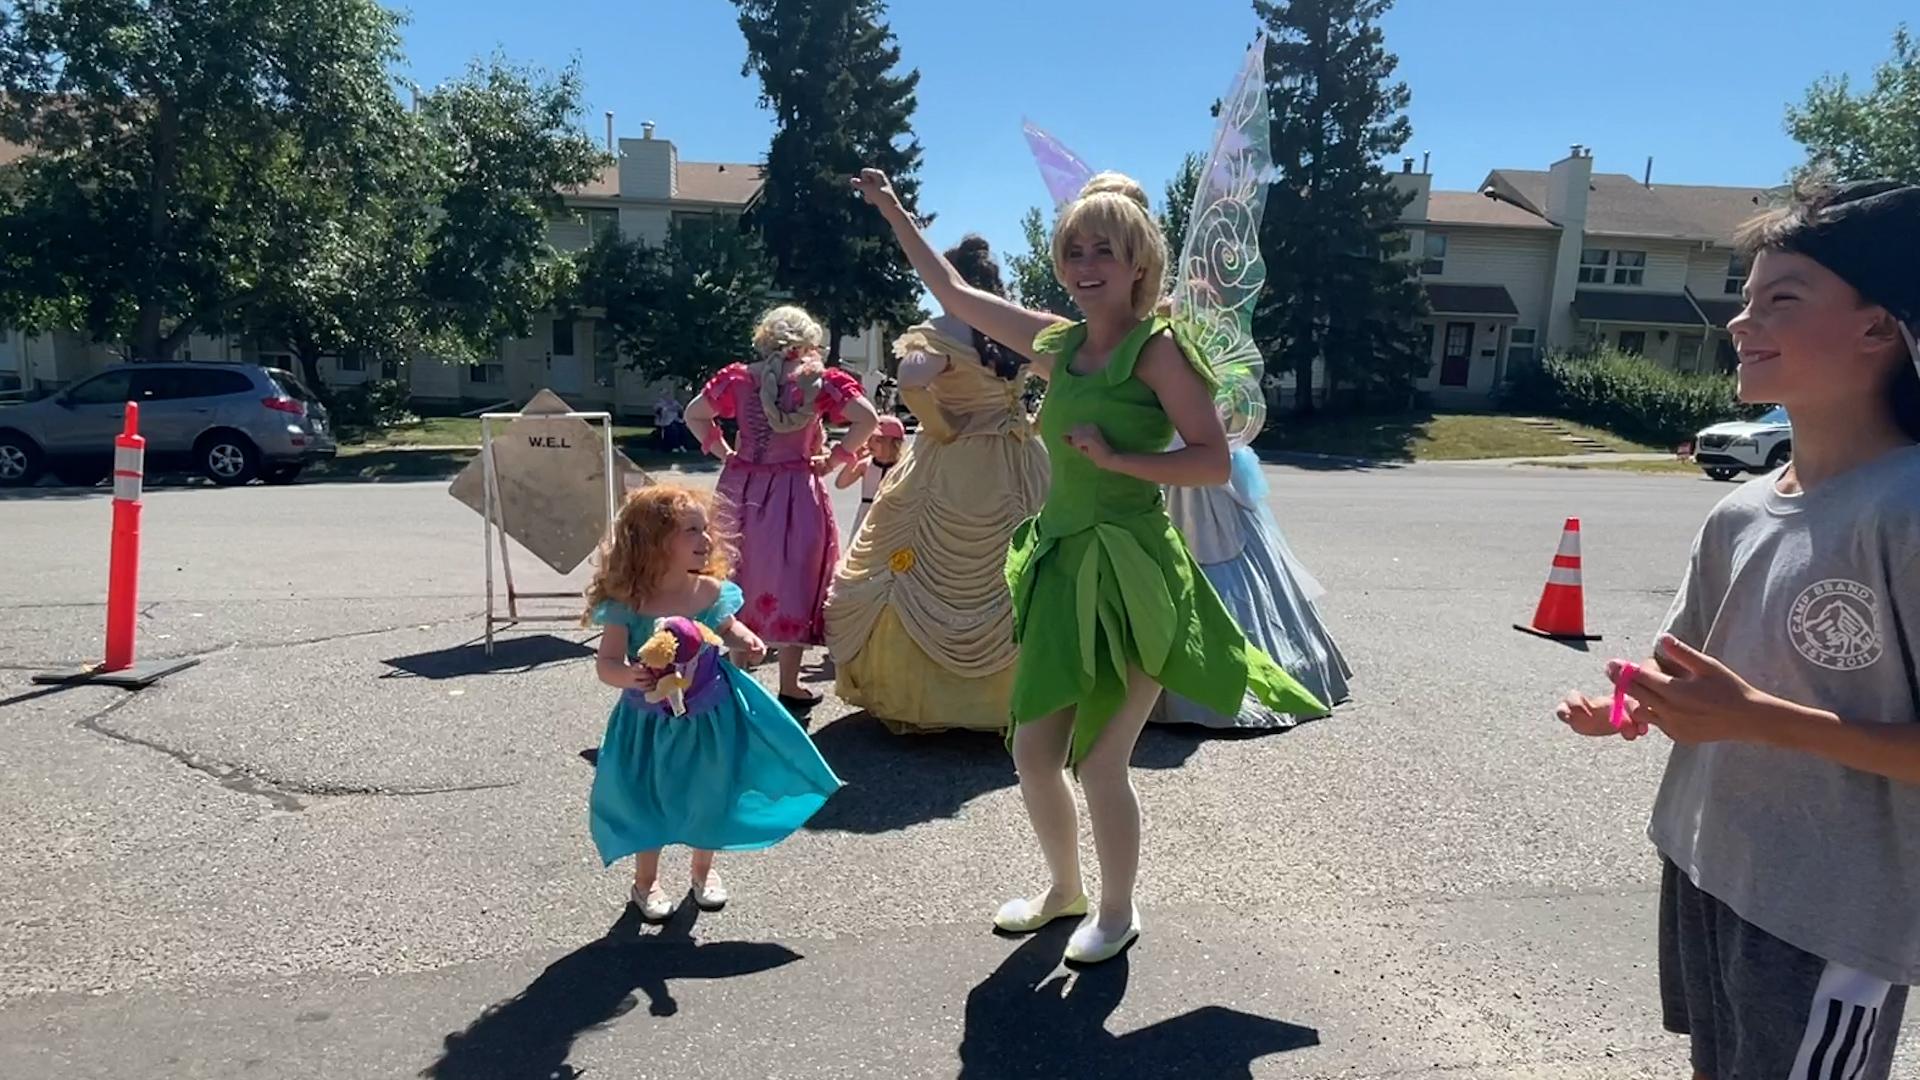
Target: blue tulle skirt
[(1270, 594), (735, 773)]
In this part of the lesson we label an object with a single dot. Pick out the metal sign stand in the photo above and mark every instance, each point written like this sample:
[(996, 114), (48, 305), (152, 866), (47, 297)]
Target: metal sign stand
[(495, 527)]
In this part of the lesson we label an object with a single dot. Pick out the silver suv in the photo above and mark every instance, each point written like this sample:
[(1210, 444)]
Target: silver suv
[(230, 422)]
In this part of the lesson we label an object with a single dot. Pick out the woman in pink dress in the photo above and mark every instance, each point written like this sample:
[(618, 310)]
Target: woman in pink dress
[(773, 503)]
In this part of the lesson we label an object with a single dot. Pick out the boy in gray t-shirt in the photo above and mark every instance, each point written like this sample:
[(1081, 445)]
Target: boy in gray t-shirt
[(1788, 820)]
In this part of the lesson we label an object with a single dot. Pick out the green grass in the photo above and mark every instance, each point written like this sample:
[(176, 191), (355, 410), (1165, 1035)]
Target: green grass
[(1426, 436), (1669, 467), (424, 460), (453, 431)]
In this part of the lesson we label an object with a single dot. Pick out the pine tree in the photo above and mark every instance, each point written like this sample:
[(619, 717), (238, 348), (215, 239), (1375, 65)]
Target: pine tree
[(827, 69), (1181, 190), (1338, 286)]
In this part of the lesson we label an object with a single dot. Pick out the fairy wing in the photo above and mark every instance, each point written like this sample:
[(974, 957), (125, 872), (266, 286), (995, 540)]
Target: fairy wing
[(1219, 273), (1062, 170)]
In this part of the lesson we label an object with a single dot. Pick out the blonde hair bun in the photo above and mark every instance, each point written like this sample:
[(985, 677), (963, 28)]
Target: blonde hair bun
[(1113, 183), (786, 328)]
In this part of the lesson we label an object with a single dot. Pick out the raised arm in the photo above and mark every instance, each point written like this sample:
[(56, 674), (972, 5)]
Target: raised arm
[(1001, 320)]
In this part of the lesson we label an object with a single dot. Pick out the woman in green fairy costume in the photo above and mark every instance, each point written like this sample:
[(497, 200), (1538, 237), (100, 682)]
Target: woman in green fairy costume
[(1109, 606)]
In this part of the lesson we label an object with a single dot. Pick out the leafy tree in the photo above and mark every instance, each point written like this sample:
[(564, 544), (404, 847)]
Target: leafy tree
[(161, 136), (1338, 289), (503, 144), (681, 310), (1870, 135), (1031, 271), (827, 69), (1181, 190)]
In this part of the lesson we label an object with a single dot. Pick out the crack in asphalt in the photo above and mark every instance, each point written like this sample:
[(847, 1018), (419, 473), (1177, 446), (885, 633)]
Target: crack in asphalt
[(239, 646)]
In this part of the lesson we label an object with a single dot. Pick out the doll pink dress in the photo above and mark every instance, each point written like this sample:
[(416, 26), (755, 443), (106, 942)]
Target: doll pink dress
[(774, 506)]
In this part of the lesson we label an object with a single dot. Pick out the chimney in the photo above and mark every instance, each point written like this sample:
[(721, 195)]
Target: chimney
[(649, 167), (1648, 182), (612, 146), (646, 129), (1569, 186), (1406, 165)]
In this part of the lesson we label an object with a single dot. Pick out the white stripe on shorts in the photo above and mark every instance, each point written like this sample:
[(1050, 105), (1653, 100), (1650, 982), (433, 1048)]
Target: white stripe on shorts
[(1841, 1024)]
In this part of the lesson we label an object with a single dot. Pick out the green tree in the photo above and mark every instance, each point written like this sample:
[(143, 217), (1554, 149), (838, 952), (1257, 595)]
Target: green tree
[(1031, 271), (1338, 288), (684, 309), (503, 144), (160, 139), (1181, 190), (1870, 135), (828, 70)]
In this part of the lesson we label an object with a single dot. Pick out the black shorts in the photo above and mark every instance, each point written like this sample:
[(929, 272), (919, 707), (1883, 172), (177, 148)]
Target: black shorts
[(1757, 1008)]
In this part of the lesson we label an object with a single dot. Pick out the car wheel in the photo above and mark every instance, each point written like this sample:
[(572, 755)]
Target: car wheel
[(21, 462), (228, 458), (281, 474), (1722, 474), (1780, 456)]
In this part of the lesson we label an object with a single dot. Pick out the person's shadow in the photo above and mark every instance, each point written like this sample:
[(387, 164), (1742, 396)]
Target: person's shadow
[(1026, 1021), (896, 781), (531, 1035)]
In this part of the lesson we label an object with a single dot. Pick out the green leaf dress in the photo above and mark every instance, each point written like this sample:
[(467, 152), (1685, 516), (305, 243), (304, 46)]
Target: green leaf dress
[(1102, 580)]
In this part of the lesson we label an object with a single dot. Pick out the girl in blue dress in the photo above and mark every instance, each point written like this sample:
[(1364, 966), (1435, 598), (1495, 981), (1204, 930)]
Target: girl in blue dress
[(695, 752)]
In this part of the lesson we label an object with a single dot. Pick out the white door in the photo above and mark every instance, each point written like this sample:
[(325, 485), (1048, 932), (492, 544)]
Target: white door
[(563, 360)]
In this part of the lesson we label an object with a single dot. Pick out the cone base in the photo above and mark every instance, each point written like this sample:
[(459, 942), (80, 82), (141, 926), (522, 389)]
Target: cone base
[(1537, 632), (138, 676)]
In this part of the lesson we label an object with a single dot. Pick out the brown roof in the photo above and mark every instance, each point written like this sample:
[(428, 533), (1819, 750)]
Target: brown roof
[(1620, 205), (699, 181), (1473, 208)]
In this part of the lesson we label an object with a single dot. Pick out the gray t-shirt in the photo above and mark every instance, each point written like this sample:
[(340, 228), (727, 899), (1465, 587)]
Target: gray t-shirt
[(1814, 598)]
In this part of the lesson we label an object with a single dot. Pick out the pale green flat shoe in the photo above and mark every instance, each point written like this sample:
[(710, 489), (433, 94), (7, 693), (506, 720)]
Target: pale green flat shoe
[(1089, 946), (1024, 916)]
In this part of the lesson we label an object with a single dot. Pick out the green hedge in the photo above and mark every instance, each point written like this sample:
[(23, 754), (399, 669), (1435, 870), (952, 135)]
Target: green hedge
[(1627, 394)]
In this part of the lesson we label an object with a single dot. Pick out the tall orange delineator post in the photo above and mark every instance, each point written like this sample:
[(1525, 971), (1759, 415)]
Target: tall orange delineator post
[(1562, 613), (123, 575)]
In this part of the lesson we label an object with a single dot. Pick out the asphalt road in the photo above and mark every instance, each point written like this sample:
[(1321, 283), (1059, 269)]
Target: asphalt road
[(346, 845)]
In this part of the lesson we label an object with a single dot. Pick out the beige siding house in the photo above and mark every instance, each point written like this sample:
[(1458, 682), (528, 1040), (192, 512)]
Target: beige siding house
[(643, 194), (1569, 258)]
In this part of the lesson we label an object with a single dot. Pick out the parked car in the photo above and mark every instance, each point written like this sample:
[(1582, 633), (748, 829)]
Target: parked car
[(229, 422), (1757, 446)]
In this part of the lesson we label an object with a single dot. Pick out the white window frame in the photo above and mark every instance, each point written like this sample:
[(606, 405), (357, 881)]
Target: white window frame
[(1433, 260), (1619, 342), (1592, 271), (553, 338), (1522, 350), (488, 374), (1630, 268), (357, 364)]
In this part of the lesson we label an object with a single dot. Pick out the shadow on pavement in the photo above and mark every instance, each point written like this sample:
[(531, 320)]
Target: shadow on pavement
[(1030, 1019), (894, 781), (530, 1036), (511, 655)]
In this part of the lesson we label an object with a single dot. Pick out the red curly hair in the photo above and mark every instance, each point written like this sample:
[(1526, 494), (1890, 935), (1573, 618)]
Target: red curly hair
[(633, 562)]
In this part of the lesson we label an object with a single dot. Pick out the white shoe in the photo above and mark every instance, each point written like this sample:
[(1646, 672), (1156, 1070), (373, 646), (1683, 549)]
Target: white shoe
[(709, 895), (1089, 946), (654, 904), (1024, 915)]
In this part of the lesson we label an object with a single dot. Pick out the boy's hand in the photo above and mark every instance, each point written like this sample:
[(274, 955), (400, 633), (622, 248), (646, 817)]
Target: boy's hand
[(1701, 701), (1593, 716)]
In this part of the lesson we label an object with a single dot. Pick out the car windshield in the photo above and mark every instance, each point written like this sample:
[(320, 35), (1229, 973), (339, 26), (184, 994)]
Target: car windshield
[(1775, 415)]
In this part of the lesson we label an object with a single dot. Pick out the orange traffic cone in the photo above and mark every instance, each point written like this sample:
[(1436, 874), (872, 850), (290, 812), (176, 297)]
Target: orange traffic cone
[(1562, 614)]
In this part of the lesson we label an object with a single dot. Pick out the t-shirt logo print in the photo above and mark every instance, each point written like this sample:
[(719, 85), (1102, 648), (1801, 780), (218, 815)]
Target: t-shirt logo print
[(1835, 623)]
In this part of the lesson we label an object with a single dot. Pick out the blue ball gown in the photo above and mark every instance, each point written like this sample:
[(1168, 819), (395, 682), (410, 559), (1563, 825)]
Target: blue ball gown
[(735, 773)]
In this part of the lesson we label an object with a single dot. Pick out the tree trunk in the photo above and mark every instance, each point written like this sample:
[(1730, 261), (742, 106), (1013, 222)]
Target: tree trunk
[(1303, 383), (152, 344), (309, 354), (833, 345)]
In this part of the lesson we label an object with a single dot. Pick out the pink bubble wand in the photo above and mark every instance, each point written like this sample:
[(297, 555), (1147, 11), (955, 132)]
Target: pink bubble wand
[(1618, 718)]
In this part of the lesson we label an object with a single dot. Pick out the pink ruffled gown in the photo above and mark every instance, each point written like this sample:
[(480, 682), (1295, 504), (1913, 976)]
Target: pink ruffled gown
[(775, 506)]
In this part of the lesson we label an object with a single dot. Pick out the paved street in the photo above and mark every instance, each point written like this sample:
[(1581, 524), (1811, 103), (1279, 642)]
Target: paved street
[(345, 846)]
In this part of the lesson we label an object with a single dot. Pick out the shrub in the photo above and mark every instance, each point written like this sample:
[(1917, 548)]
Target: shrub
[(370, 406), (1626, 394)]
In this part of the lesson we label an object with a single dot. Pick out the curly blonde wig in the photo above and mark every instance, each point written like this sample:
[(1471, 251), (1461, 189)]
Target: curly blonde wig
[(788, 327), (1114, 208)]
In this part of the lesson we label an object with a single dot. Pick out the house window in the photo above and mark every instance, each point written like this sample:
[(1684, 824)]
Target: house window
[(486, 373), (351, 363), (1435, 261), (599, 219), (389, 369), (1633, 342), (562, 337), (1629, 267), (606, 355), (1521, 343), (1593, 266), (1737, 271)]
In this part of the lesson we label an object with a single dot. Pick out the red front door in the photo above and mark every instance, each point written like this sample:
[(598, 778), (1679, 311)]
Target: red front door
[(1456, 354)]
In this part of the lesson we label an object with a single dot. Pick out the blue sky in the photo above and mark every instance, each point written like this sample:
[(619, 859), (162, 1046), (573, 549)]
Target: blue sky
[(1699, 85)]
